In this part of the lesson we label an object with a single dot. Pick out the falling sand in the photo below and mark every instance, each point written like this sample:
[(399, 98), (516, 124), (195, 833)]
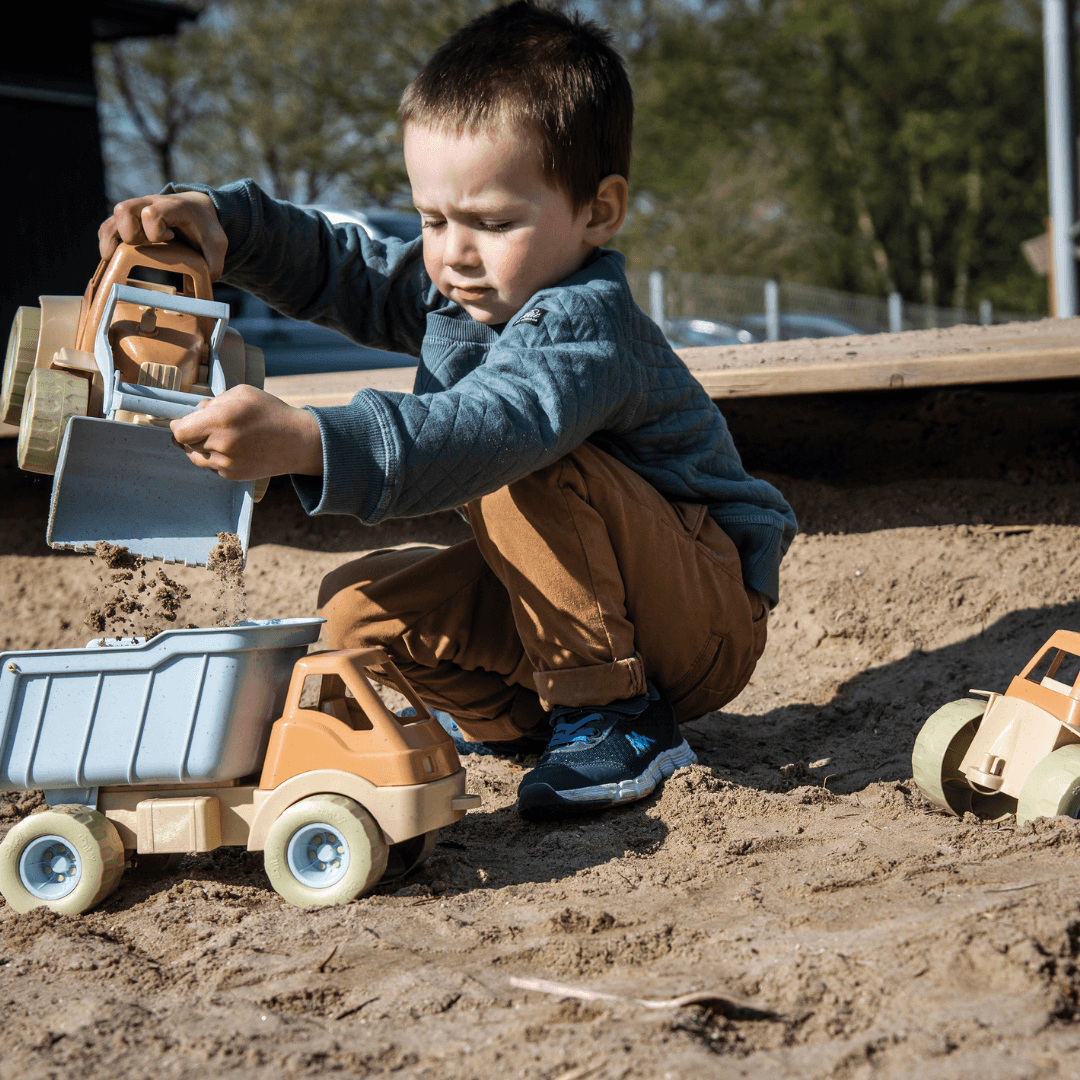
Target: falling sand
[(129, 601)]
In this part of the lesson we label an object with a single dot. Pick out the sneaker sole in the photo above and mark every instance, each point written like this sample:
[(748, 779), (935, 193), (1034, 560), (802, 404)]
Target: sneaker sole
[(596, 796)]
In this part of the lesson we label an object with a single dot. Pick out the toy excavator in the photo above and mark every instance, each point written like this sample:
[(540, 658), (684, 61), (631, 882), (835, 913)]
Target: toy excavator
[(93, 382), (1012, 753)]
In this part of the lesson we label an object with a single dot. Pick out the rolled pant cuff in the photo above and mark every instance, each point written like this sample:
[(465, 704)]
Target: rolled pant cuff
[(596, 684)]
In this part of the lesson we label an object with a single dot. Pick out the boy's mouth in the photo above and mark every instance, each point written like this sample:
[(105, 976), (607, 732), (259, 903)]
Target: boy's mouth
[(472, 292)]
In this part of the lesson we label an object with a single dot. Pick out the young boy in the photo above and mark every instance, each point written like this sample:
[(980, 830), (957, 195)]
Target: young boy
[(622, 561)]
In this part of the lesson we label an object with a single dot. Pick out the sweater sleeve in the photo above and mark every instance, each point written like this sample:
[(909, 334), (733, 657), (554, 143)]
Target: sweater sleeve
[(540, 392), (375, 292)]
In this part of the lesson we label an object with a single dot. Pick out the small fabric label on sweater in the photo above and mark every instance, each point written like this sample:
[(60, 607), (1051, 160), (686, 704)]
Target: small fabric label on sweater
[(533, 316)]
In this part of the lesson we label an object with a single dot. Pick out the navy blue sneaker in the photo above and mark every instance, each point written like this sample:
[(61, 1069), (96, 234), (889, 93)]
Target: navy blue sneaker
[(600, 756)]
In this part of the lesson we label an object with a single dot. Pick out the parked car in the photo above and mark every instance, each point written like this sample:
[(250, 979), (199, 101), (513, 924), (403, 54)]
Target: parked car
[(682, 333), (796, 325), (292, 347)]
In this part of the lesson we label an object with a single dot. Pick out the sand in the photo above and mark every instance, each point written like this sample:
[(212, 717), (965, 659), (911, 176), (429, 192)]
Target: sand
[(795, 867)]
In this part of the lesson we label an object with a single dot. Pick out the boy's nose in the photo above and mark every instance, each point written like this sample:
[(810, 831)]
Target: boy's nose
[(460, 249)]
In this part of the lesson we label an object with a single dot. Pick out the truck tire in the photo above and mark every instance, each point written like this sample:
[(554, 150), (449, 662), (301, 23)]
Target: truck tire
[(66, 858), (939, 749), (19, 362), (1052, 787), (325, 849), (405, 857), (52, 397)]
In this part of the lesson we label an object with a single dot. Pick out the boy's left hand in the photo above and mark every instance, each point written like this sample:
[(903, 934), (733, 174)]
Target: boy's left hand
[(246, 434)]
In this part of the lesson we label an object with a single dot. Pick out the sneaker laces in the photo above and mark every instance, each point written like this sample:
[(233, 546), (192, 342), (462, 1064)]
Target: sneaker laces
[(581, 729), (583, 724)]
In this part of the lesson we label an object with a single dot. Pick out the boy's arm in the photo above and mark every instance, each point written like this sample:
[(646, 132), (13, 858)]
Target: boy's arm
[(375, 292), (528, 404)]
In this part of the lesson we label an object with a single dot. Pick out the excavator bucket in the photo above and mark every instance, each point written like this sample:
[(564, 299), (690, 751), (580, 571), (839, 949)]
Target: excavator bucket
[(129, 484)]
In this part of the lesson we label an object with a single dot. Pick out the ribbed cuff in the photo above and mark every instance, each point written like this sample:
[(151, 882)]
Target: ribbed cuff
[(356, 461)]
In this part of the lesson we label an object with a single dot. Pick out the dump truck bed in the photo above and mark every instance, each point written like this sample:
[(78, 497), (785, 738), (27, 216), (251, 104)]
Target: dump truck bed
[(187, 706)]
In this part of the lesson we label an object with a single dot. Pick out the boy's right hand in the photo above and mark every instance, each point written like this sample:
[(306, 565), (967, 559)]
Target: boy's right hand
[(155, 218)]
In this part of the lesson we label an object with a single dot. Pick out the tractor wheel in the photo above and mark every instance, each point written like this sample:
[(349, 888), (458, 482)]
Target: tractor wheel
[(52, 397), (67, 858), (405, 857), (19, 362), (325, 849), (939, 749), (1052, 787), (233, 361), (255, 373)]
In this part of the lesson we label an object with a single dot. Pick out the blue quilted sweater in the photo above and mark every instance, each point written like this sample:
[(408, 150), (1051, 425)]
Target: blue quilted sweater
[(491, 405)]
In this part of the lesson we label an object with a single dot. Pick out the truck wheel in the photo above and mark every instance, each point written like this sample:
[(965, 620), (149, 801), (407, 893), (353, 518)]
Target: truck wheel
[(405, 857), (255, 367), (325, 849), (51, 398), (67, 858), (1052, 787), (19, 361), (939, 749)]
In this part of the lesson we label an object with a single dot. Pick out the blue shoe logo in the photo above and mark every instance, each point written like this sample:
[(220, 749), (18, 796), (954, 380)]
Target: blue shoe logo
[(640, 743)]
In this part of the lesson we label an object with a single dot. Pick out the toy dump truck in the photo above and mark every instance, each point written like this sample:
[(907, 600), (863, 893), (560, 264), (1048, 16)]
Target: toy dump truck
[(93, 382), (1017, 752), (197, 739)]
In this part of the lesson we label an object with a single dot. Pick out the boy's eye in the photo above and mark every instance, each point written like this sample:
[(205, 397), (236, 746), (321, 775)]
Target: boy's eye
[(431, 223), (495, 226)]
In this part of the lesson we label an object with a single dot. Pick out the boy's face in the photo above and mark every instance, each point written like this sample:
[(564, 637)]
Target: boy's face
[(495, 231)]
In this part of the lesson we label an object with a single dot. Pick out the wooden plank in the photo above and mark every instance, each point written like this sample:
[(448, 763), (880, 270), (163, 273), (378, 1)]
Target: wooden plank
[(948, 370), (338, 387)]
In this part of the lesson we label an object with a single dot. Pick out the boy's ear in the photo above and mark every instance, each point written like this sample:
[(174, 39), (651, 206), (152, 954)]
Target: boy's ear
[(608, 210)]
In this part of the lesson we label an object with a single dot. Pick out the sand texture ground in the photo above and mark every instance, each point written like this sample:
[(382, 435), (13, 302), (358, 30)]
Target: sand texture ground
[(843, 928)]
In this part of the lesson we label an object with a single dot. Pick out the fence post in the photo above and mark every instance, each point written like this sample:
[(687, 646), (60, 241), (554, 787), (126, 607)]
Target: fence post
[(772, 310), (1060, 150), (986, 313), (896, 313), (656, 298)]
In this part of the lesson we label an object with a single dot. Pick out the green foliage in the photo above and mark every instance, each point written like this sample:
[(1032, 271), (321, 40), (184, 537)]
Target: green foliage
[(866, 145), (869, 145), (301, 96)]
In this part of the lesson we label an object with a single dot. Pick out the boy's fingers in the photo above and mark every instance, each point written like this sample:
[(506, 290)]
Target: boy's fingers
[(155, 218)]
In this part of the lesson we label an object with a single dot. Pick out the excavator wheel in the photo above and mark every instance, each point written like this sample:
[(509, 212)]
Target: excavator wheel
[(255, 367), (939, 749), (19, 362), (52, 397)]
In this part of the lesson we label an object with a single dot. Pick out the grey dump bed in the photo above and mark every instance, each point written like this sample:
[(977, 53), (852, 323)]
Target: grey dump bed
[(186, 706)]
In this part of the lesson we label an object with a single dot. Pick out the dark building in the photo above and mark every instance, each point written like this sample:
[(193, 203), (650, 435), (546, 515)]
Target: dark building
[(53, 184)]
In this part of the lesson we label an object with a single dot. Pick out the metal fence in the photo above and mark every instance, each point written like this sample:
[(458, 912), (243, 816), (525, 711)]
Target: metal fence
[(773, 310)]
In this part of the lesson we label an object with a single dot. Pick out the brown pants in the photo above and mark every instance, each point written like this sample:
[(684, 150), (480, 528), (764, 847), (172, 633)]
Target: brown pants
[(580, 580)]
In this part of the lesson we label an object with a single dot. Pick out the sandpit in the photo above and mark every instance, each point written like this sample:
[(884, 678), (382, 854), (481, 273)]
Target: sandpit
[(794, 872)]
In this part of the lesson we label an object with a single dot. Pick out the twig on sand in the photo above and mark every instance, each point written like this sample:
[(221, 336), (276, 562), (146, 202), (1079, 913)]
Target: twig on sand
[(329, 956), (355, 1009), (726, 1004), (1014, 888), (831, 776)]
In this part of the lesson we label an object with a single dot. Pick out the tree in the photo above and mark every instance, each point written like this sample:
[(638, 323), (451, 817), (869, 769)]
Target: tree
[(897, 144), (300, 96)]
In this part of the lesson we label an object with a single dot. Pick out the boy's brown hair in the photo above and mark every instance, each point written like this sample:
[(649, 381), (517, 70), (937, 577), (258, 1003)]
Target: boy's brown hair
[(532, 66)]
